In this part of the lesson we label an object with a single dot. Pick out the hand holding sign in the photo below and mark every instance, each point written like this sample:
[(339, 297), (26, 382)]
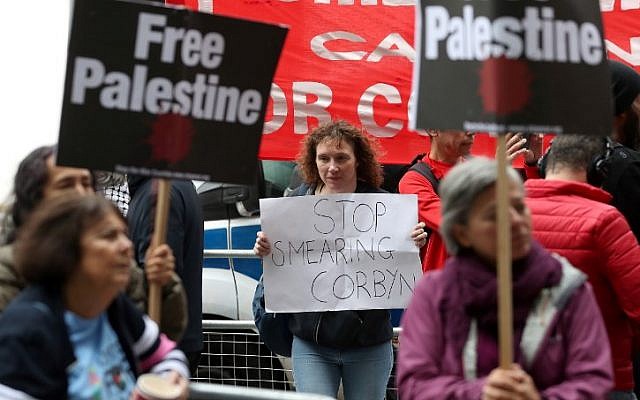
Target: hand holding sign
[(159, 264), (419, 235)]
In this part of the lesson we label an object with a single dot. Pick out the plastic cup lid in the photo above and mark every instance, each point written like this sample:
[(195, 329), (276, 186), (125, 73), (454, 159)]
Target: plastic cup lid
[(157, 388)]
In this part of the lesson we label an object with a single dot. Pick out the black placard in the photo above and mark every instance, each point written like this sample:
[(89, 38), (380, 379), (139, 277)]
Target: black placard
[(166, 92), (511, 66)]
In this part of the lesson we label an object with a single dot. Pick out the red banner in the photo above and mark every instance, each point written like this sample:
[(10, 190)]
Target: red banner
[(353, 60), (621, 20)]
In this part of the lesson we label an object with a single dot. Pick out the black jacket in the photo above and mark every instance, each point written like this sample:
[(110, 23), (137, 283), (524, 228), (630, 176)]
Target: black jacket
[(622, 181), (184, 236), (342, 329), (35, 350)]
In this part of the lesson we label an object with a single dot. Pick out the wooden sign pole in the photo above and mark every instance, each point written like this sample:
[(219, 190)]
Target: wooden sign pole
[(159, 237), (505, 306)]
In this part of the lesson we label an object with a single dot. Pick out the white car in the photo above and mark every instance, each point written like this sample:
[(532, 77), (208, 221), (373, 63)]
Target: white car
[(228, 283)]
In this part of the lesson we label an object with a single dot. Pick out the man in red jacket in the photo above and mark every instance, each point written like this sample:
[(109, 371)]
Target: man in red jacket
[(447, 149), (573, 218)]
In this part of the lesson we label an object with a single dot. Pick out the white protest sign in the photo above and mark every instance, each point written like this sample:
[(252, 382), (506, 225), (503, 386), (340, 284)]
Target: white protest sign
[(340, 252)]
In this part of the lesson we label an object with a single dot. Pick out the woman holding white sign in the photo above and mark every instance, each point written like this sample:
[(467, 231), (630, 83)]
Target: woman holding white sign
[(449, 343), (352, 346)]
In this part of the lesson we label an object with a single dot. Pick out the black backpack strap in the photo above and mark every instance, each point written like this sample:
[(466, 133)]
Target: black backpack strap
[(417, 158), (424, 170)]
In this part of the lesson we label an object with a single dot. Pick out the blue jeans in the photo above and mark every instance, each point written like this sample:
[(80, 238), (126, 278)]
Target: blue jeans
[(620, 395), (364, 370)]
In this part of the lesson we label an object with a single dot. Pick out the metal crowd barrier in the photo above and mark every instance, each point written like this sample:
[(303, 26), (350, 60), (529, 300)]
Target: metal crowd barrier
[(208, 391), (234, 356), (228, 253)]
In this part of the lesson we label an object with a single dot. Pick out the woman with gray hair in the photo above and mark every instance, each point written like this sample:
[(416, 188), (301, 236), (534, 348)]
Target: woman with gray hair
[(449, 340)]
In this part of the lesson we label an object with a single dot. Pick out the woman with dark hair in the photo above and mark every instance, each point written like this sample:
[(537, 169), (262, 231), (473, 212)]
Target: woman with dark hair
[(72, 333), (31, 178), (37, 180), (449, 343), (352, 346)]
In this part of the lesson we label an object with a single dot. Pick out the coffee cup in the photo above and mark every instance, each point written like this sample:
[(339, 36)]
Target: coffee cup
[(155, 387)]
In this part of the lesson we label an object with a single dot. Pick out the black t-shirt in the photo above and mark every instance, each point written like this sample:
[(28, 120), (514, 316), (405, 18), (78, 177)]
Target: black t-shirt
[(623, 183)]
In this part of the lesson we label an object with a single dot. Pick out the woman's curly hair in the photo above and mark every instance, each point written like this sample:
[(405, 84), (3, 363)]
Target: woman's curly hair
[(368, 168)]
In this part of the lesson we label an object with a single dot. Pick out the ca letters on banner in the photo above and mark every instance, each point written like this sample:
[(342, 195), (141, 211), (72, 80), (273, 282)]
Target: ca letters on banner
[(166, 92), (340, 252), (511, 66)]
